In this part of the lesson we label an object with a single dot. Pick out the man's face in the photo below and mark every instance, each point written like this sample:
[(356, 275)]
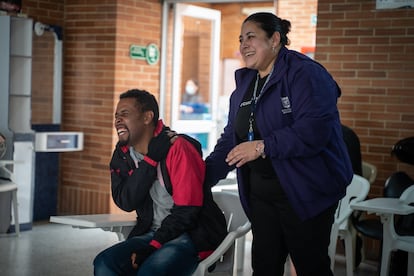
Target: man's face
[(129, 122)]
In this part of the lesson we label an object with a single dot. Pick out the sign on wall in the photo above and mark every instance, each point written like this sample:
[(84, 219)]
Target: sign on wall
[(149, 53), (394, 4)]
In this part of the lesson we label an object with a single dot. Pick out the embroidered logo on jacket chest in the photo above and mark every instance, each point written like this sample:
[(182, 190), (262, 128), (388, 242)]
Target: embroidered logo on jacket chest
[(286, 105)]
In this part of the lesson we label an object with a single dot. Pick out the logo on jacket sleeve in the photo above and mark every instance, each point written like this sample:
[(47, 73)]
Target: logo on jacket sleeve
[(286, 105)]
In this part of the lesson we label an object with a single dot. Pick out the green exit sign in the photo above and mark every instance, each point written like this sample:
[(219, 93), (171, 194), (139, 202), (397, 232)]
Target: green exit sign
[(149, 53)]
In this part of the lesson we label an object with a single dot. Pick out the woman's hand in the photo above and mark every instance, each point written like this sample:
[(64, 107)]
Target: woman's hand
[(243, 153)]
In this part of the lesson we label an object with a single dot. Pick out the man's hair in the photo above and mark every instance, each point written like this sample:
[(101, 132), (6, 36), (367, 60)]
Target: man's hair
[(145, 101)]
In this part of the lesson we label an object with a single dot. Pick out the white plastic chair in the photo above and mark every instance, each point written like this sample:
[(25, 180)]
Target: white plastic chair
[(395, 242), (356, 191), (227, 256), (369, 171), (10, 186)]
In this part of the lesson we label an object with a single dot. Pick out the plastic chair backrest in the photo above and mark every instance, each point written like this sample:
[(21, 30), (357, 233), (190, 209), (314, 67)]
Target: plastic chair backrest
[(356, 191), (405, 224), (369, 171), (407, 196), (237, 225), (229, 203)]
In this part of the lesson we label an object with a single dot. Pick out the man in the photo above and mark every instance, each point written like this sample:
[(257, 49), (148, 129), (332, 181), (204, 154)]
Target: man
[(178, 222)]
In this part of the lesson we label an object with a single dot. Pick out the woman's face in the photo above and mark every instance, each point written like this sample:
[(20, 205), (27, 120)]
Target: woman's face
[(256, 47)]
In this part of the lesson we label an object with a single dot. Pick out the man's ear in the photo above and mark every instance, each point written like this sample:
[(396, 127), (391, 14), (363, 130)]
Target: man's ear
[(148, 116)]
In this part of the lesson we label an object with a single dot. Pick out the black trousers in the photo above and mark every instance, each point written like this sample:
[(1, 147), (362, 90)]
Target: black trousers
[(278, 231)]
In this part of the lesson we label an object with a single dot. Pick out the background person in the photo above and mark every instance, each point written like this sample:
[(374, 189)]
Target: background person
[(191, 92), (284, 137), (178, 223), (192, 102)]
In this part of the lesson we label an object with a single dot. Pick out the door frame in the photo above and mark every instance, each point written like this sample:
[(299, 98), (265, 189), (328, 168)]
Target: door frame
[(167, 4), (208, 126)]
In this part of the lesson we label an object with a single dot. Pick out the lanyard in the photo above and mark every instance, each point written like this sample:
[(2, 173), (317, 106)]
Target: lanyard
[(253, 102)]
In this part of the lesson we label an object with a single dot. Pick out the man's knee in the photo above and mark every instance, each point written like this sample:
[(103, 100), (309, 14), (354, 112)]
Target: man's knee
[(101, 266)]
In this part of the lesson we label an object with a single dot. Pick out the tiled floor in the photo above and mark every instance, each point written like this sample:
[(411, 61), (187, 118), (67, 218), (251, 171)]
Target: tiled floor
[(59, 250)]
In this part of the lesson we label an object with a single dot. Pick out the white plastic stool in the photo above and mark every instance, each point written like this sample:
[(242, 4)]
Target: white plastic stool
[(9, 186)]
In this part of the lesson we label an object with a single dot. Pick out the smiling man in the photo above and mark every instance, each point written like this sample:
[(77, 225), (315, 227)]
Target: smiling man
[(178, 223)]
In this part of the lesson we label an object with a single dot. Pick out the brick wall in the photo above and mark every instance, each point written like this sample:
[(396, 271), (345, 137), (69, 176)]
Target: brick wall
[(300, 14), (370, 54), (89, 86)]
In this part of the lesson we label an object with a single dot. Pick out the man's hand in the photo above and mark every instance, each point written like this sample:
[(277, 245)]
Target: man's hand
[(139, 257), (119, 162)]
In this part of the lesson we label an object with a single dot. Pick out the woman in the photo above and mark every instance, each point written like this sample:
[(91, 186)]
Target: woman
[(191, 93), (284, 137), (192, 105)]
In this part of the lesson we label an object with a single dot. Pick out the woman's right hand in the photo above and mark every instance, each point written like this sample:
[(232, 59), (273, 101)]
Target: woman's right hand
[(243, 153)]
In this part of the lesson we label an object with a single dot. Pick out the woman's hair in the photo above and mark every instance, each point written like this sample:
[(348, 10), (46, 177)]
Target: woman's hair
[(145, 101), (270, 23)]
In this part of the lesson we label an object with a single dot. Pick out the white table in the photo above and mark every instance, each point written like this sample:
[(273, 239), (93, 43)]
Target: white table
[(385, 208), (121, 224)]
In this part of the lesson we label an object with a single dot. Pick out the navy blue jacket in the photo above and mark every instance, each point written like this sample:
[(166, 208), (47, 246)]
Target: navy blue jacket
[(297, 117)]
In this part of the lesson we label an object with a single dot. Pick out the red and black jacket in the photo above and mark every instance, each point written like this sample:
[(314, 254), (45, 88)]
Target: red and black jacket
[(194, 210)]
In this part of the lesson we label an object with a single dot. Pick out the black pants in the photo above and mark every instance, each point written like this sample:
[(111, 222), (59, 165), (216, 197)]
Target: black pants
[(278, 231)]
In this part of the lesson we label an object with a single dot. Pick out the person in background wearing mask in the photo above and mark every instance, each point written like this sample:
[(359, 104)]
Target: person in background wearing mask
[(284, 137), (192, 101), (191, 93)]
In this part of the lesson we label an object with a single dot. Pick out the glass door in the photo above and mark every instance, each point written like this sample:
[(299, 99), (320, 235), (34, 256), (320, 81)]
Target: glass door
[(195, 73)]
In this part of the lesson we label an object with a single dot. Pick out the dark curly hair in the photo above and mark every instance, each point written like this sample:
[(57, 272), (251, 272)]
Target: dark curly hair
[(145, 101)]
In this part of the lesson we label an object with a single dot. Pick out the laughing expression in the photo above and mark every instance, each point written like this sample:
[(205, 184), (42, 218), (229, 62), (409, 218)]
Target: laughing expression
[(129, 122), (256, 47)]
